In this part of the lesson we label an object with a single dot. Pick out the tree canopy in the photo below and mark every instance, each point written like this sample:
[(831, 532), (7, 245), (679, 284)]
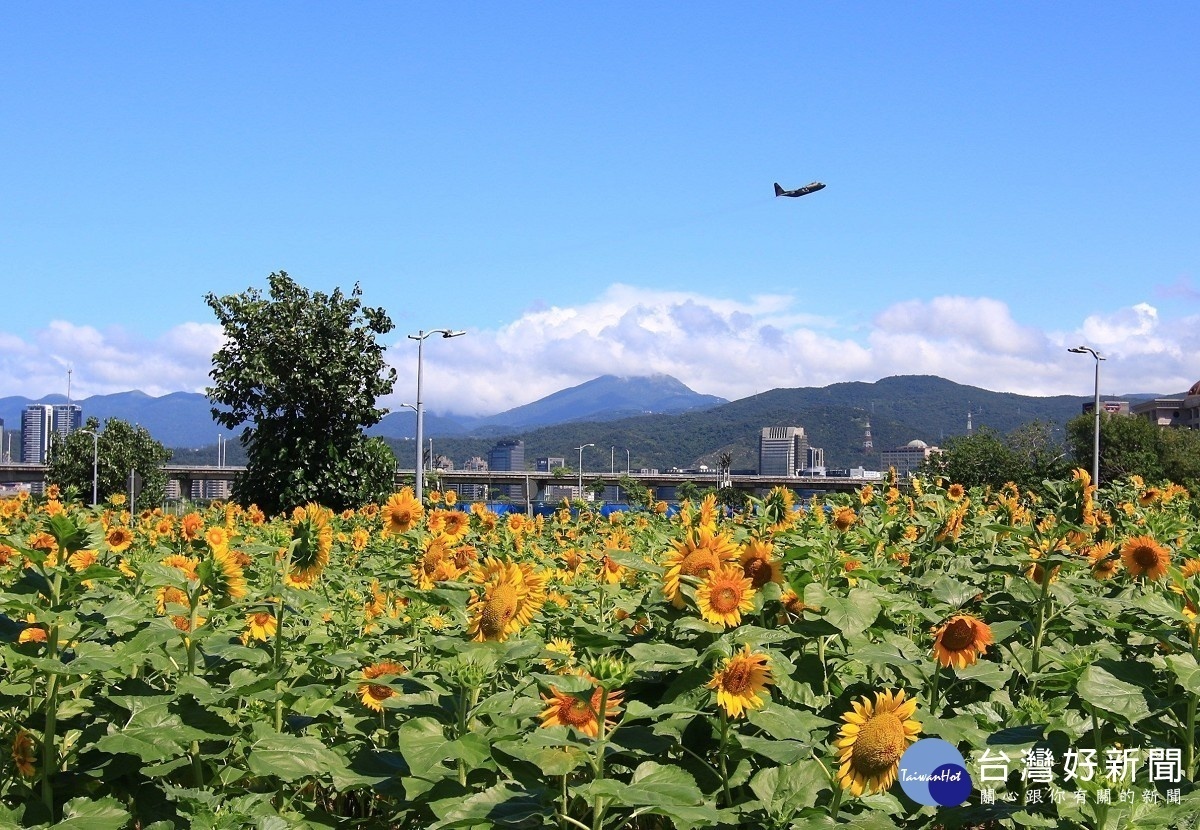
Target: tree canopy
[(1027, 456), (118, 448), (1135, 446), (300, 373)]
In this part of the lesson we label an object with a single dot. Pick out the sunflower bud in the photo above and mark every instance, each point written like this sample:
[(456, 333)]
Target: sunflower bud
[(610, 672)]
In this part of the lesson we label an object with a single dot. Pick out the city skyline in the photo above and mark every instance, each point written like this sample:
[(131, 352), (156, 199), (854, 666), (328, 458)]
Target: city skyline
[(588, 191)]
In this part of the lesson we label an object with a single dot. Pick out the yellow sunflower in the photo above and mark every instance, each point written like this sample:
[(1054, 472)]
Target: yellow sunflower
[(741, 681), (960, 640), (455, 523), (374, 694), (1104, 564), (313, 538), (1143, 555), (260, 625), (186, 564), (844, 518), (33, 632), (955, 492), (872, 740), (82, 559), (191, 526), (402, 512), (119, 538), (694, 555), (227, 577), (582, 713), (724, 595), (512, 594), (217, 537), (758, 563)]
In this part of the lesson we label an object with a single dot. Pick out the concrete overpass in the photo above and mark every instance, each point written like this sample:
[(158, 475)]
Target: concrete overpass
[(531, 484)]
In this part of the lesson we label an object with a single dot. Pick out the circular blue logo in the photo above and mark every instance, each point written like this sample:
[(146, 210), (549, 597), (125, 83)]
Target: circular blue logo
[(934, 773)]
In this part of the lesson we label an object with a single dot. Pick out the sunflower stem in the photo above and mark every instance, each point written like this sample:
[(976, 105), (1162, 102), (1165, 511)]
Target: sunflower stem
[(598, 808), (721, 759), (836, 804), (933, 695), (1040, 627), (49, 761)]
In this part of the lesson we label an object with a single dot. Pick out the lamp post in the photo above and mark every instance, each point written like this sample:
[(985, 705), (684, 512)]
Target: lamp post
[(1096, 411), (581, 449), (627, 461), (420, 338), (95, 465)]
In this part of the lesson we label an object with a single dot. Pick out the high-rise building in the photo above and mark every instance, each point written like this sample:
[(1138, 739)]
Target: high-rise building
[(550, 463), (508, 455), (68, 417), (781, 451), (37, 425)]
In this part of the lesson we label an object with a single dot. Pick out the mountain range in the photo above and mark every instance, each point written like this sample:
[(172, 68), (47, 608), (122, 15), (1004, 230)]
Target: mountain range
[(660, 421)]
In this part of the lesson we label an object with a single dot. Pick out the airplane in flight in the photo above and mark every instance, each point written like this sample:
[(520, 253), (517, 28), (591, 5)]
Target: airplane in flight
[(812, 187)]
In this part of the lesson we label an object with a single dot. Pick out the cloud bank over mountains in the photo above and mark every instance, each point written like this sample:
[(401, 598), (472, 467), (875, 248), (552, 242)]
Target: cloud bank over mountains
[(715, 346)]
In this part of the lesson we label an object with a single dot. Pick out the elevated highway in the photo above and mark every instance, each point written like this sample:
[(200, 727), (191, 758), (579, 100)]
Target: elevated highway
[(530, 484)]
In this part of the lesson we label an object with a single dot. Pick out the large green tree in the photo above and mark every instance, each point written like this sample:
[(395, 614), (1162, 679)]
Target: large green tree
[(115, 450), (1027, 456), (300, 373), (1135, 446)]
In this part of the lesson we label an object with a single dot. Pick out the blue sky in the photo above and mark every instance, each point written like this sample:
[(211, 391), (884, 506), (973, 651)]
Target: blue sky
[(586, 188)]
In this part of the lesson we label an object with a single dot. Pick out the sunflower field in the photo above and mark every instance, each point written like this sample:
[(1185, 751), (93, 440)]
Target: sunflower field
[(439, 665)]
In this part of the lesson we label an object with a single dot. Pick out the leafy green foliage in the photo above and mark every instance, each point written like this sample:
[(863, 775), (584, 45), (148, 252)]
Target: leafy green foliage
[(300, 373), (119, 448)]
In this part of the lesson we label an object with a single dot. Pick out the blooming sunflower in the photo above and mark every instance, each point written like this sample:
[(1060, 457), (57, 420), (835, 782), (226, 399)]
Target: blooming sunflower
[(1143, 555), (260, 625), (191, 525), (119, 538), (312, 536), (82, 559), (694, 555), (955, 492), (777, 507), (402, 512), (960, 640), (33, 632), (758, 563), (844, 518), (872, 740), (724, 594), (512, 594), (582, 713), (227, 577), (741, 681), (1104, 564), (374, 694), (455, 523), (186, 564), (217, 537)]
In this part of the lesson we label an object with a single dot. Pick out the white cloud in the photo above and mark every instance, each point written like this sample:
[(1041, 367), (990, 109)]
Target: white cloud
[(714, 345), (106, 361)]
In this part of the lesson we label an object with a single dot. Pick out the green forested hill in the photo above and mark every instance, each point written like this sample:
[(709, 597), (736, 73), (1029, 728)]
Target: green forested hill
[(900, 409)]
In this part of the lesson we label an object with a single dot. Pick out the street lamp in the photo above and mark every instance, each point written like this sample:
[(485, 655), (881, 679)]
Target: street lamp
[(95, 465), (1096, 412), (581, 449), (420, 338)]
